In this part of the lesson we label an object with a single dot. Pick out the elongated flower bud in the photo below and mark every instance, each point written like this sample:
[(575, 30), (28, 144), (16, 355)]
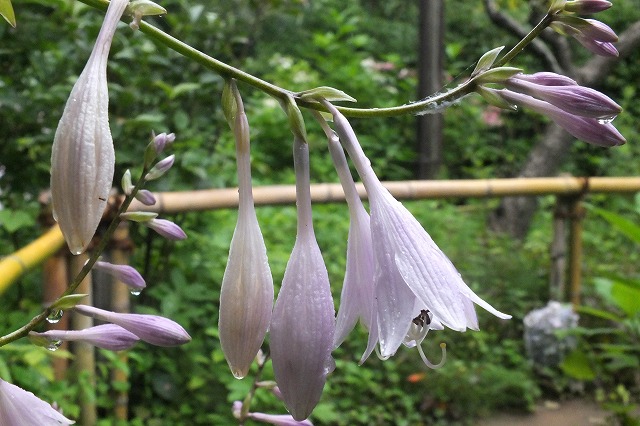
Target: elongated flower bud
[(587, 7), (106, 336), (157, 330), (82, 158), (303, 326), (167, 229), (21, 408), (125, 273), (246, 297)]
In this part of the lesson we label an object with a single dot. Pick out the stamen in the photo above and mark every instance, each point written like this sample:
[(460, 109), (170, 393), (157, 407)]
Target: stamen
[(443, 348)]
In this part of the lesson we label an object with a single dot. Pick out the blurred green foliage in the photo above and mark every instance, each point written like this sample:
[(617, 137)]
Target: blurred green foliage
[(366, 48)]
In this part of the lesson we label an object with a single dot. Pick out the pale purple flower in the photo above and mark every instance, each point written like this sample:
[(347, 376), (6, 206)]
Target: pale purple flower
[(106, 336), (152, 329), (167, 229), (575, 99), (82, 157), (246, 295), (411, 273), (594, 35), (303, 324), (587, 7), (125, 273), (357, 300), (21, 408), (145, 197), (601, 48), (591, 130), (546, 78), (161, 141), (161, 167)]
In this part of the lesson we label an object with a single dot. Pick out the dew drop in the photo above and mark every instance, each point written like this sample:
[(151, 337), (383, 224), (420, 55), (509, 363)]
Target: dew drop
[(55, 316), (54, 344), (237, 374), (606, 120), (135, 292)]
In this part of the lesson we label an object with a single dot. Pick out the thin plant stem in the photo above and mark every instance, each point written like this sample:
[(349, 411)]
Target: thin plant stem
[(38, 319), (535, 32)]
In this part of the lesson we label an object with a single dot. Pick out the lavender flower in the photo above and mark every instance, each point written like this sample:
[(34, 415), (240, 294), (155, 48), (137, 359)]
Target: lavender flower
[(587, 7), (594, 35), (167, 229), (21, 408), (145, 197), (152, 329), (574, 99), (246, 297), (357, 300), (411, 273), (82, 157), (161, 141), (106, 336), (302, 325), (591, 130), (125, 273), (161, 168)]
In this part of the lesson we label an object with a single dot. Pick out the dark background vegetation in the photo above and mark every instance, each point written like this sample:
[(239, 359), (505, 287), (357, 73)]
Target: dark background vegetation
[(368, 49)]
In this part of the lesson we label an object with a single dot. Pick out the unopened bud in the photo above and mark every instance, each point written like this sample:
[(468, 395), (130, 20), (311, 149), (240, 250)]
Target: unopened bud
[(145, 197), (127, 185), (160, 168), (140, 8), (167, 229), (138, 216), (587, 7)]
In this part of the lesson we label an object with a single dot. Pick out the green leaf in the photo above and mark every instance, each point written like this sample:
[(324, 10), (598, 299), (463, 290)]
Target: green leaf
[(487, 60), (68, 302), (325, 92), (12, 220), (6, 10), (577, 365), (622, 224), (598, 313)]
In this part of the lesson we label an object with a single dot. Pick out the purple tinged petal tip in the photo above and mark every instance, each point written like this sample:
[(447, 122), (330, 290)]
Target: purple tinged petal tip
[(125, 273)]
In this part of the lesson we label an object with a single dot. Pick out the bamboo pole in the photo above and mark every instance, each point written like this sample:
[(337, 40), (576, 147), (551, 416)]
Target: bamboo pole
[(211, 199), (575, 262), (120, 302), (84, 363), (558, 275), (16, 264)]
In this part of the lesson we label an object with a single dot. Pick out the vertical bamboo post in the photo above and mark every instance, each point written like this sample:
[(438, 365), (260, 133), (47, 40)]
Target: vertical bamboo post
[(55, 280), (575, 263), (84, 362), (558, 274), (120, 302)]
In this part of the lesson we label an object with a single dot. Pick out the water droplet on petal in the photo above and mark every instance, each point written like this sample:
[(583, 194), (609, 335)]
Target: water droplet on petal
[(606, 120), (54, 344), (55, 316), (237, 374), (135, 292)]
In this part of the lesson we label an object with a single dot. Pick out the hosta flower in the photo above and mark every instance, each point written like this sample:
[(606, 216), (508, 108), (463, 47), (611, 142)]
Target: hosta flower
[(591, 130), (246, 297), (411, 273), (302, 325), (128, 275), (152, 329), (357, 300), (106, 336), (21, 408), (594, 35), (82, 157), (166, 228), (574, 99)]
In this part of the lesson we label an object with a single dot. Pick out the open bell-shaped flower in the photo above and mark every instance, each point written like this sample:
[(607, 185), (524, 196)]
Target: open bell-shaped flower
[(21, 408), (303, 324), (246, 296), (154, 329), (82, 157), (411, 272)]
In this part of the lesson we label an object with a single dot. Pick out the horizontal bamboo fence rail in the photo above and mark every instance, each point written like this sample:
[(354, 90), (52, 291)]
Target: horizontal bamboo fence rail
[(13, 266)]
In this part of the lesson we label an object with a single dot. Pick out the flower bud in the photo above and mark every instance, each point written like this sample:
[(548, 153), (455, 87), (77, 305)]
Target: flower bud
[(167, 229), (126, 274), (82, 157), (106, 336), (145, 197), (138, 216), (587, 7), (152, 329), (160, 168), (127, 185)]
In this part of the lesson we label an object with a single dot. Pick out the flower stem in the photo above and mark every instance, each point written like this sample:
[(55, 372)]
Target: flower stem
[(38, 319), (535, 32)]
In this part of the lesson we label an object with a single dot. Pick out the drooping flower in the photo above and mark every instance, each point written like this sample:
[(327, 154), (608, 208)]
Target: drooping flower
[(82, 157), (166, 228), (106, 336), (303, 324), (21, 408), (126, 274), (411, 273), (246, 296), (594, 35), (152, 329), (591, 130), (357, 300)]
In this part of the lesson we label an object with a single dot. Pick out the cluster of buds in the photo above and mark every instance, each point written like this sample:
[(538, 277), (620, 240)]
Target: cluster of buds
[(594, 35)]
